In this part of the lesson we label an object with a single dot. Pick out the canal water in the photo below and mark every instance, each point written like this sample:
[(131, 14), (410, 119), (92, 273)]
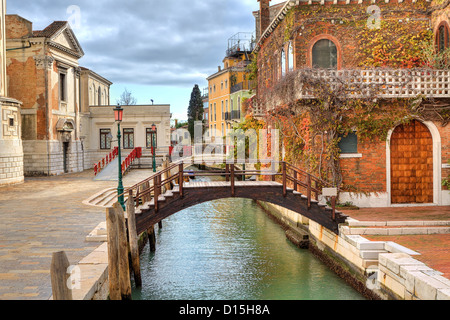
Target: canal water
[(231, 250)]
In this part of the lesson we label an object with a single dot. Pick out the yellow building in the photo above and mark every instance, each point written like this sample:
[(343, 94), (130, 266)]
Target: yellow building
[(225, 82)]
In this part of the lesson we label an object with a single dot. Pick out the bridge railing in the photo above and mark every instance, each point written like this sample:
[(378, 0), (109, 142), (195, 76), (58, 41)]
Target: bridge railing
[(150, 189), (99, 166), (135, 154)]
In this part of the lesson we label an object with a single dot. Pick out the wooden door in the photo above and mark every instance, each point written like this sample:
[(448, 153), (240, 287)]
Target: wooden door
[(411, 164)]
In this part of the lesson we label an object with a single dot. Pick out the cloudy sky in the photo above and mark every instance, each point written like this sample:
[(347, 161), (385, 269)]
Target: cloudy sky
[(157, 49)]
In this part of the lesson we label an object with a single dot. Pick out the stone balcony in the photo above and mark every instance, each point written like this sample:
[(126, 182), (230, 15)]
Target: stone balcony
[(364, 83)]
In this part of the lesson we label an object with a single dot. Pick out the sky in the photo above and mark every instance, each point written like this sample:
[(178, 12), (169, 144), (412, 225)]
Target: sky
[(156, 49)]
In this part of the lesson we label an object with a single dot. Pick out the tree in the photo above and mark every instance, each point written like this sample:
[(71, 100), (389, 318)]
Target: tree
[(126, 99), (195, 109)]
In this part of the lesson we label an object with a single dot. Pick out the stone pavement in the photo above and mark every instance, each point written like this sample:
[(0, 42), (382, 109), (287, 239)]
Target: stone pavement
[(434, 249), (42, 216)]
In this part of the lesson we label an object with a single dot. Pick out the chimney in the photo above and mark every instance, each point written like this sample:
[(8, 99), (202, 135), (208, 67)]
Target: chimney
[(264, 15)]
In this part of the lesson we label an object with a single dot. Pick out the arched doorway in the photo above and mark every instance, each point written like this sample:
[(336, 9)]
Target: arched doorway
[(411, 164)]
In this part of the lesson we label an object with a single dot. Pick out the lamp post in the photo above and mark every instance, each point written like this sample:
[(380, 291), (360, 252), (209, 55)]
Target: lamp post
[(154, 147), (118, 115)]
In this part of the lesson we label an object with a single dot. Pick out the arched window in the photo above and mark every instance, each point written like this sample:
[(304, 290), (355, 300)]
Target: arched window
[(290, 56), (324, 54), (283, 62), (99, 96), (442, 37)]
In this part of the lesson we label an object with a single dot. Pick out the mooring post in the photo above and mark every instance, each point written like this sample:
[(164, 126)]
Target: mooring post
[(124, 270), (113, 254), (60, 276), (133, 239), (152, 238)]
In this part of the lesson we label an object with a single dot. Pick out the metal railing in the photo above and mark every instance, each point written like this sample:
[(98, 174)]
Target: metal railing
[(99, 166)]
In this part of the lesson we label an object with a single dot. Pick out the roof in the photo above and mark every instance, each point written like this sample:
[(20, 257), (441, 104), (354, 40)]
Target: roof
[(51, 30)]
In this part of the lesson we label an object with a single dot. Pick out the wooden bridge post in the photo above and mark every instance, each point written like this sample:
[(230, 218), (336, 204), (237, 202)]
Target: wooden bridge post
[(113, 254), (308, 192), (227, 171), (295, 180), (333, 206), (181, 179), (60, 277), (148, 196), (232, 180), (156, 192), (284, 180), (152, 238), (133, 239), (124, 270)]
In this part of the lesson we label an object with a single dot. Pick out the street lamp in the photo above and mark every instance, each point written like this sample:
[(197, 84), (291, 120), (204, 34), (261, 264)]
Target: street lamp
[(118, 115), (153, 147)]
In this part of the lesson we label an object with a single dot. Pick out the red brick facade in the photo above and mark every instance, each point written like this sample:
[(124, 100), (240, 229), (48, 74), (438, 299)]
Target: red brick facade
[(346, 26)]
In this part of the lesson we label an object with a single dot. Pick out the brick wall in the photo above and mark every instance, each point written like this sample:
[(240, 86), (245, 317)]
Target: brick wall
[(346, 26)]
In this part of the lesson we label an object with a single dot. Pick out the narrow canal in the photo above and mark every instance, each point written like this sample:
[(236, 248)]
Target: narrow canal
[(231, 250)]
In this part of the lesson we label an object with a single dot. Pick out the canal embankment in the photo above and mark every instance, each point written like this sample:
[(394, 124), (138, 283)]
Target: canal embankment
[(377, 269)]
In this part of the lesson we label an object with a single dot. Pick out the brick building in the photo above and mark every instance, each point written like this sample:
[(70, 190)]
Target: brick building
[(43, 73), (377, 46)]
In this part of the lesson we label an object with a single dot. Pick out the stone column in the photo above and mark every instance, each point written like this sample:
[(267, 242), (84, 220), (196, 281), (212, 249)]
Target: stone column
[(11, 150)]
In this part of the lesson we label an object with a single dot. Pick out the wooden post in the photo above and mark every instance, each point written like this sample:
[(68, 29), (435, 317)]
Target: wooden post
[(148, 196), (113, 254), (60, 277), (295, 180), (133, 239), (124, 270), (308, 193), (156, 192), (180, 179), (160, 225), (232, 180), (333, 206), (152, 238), (316, 192), (227, 171), (284, 180)]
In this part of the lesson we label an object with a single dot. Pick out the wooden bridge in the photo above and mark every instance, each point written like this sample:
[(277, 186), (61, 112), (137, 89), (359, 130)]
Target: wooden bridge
[(167, 192)]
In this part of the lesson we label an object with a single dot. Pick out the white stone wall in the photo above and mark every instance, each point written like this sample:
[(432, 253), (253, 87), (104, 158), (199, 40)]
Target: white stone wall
[(390, 270), (47, 157), (11, 150), (11, 169)]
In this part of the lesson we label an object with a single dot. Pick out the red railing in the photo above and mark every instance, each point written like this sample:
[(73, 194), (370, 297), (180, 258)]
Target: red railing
[(135, 154), (98, 167)]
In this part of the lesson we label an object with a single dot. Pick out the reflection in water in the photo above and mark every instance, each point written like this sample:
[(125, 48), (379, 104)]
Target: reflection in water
[(229, 249)]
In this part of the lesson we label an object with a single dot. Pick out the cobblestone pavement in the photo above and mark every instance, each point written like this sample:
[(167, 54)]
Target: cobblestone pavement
[(42, 216), (434, 249)]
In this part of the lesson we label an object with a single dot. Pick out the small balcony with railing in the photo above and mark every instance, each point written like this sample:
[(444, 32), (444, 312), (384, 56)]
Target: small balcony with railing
[(244, 85), (232, 116), (354, 84)]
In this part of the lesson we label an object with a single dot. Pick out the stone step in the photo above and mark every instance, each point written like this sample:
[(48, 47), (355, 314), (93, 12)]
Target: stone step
[(371, 254)]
